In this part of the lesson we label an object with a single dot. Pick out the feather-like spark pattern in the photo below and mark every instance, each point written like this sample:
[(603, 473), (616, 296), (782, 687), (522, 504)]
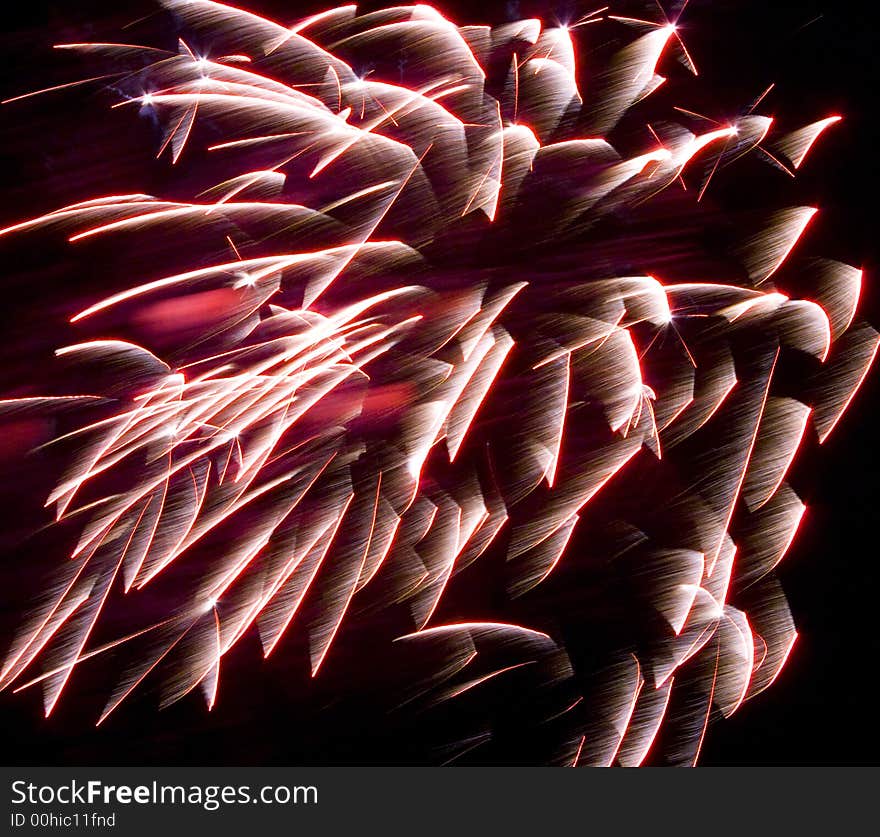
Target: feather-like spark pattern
[(394, 337)]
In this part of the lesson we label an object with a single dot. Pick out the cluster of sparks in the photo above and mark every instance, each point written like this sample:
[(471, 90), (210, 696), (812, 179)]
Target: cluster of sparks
[(337, 402)]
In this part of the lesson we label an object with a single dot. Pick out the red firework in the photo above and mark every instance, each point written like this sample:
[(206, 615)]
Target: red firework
[(425, 344)]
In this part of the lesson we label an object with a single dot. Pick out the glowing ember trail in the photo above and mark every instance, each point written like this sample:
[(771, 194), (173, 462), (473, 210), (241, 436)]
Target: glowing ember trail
[(403, 354)]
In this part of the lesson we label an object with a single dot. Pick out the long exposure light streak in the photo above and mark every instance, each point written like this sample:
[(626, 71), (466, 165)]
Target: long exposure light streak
[(387, 341)]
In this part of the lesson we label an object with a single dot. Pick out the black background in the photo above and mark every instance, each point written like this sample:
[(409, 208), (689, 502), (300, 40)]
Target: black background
[(823, 58)]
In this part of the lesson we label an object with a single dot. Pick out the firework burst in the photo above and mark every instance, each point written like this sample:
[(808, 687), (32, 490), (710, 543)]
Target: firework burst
[(426, 344)]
